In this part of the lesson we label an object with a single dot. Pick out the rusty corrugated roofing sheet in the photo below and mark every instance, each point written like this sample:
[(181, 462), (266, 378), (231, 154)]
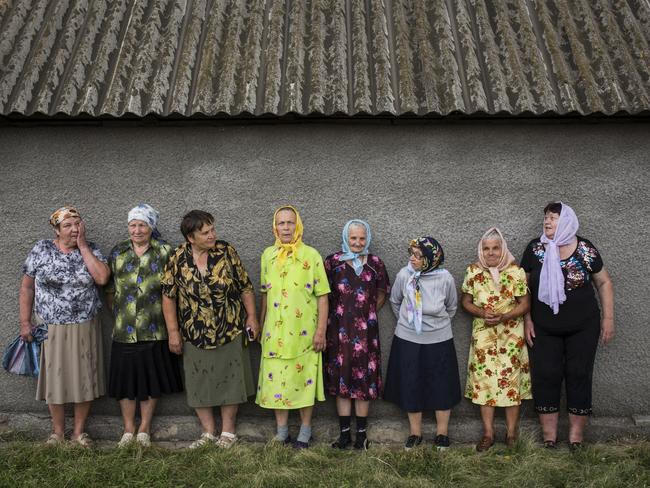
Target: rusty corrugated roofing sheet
[(324, 56)]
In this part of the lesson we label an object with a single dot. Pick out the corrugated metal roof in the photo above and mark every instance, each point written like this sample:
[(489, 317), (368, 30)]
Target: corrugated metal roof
[(324, 56)]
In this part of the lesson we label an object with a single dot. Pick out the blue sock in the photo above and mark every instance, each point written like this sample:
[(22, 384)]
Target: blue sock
[(283, 432), (305, 434)]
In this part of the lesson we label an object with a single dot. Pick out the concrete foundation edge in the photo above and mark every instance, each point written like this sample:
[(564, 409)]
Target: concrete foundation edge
[(173, 429)]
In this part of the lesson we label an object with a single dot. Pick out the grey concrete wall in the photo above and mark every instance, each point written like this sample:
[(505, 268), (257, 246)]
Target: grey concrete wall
[(451, 181)]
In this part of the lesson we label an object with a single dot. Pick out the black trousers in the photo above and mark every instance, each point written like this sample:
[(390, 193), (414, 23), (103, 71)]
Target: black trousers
[(568, 355)]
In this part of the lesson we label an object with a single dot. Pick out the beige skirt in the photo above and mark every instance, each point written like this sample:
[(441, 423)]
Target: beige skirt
[(72, 363)]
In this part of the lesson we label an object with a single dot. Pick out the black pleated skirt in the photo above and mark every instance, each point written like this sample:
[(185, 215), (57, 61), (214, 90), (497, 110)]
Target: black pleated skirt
[(422, 377), (143, 370)]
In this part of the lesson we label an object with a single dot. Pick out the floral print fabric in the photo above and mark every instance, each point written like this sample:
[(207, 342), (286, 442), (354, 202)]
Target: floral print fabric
[(65, 290), (291, 301), (210, 309), (580, 303), (353, 355), (291, 373), (498, 372), (136, 289)]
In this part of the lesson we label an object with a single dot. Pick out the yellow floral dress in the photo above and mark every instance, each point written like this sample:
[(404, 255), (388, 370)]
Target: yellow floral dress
[(498, 371), (291, 372)]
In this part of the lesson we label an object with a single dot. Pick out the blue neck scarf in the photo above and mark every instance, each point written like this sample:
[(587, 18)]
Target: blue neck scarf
[(348, 255)]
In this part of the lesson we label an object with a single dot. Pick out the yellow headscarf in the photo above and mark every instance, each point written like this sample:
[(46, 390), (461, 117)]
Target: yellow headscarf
[(286, 250)]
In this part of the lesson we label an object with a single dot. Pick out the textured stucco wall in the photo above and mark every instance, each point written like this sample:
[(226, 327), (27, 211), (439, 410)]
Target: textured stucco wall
[(448, 180)]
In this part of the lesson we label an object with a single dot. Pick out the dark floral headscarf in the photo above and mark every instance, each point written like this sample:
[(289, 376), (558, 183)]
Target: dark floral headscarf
[(432, 253)]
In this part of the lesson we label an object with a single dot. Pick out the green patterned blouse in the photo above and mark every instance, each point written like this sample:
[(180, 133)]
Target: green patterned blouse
[(210, 309), (136, 288)]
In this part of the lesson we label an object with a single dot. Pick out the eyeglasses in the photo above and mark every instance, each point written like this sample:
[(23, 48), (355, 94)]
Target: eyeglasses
[(415, 254)]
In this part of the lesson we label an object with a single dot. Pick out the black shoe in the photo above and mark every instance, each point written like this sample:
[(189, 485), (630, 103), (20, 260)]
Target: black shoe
[(549, 444), (413, 441), (441, 442), (361, 442), (575, 446), (344, 441), (300, 445)]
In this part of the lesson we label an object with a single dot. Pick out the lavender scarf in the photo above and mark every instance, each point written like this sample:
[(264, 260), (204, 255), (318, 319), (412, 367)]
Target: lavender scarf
[(551, 279)]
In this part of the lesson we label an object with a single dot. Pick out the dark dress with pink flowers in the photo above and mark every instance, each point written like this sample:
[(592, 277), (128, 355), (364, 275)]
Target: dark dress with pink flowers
[(353, 354)]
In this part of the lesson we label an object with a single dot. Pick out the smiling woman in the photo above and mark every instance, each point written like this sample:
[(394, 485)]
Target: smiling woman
[(359, 284), (208, 301), (496, 295), (565, 321), (142, 367)]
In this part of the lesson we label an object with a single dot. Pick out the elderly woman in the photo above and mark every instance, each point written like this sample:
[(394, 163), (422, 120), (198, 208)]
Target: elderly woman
[(422, 368), (565, 322), (208, 304), (359, 284), (495, 293), (294, 313), (59, 288), (142, 367)]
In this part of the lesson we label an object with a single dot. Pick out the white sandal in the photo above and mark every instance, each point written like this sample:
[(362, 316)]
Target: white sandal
[(227, 440), (205, 439), (83, 440), (55, 440), (143, 439), (127, 438)]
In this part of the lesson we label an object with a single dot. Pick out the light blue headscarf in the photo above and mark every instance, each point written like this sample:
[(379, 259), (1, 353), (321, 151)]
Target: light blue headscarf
[(148, 215), (348, 255)]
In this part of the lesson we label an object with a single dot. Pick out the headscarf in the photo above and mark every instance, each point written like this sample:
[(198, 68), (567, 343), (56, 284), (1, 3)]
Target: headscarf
[(432, 257), (551, 279), (286, 250), (505, 260), (63, 213), (348, 255), (147, 214)]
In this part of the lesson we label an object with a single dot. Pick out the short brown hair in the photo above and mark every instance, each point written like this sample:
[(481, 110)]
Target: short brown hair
[(194, 220), (555, 207)]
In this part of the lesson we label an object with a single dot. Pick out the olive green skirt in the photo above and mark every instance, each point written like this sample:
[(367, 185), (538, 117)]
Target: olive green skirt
[(220, 376)]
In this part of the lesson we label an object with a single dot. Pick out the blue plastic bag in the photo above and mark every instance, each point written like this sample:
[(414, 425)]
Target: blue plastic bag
[(22, 357)]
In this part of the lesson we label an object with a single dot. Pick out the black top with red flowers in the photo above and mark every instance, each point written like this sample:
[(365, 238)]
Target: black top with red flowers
[(581, 304)]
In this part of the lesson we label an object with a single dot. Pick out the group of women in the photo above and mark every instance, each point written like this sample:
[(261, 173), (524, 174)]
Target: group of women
[(318, 327)]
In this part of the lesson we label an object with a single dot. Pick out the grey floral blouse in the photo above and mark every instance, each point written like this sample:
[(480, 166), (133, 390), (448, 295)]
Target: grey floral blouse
[(65, 291)]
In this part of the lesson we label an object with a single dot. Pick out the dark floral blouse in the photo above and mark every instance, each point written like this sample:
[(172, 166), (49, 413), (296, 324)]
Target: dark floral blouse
[(581, 303), (210, 309), (135, 286)]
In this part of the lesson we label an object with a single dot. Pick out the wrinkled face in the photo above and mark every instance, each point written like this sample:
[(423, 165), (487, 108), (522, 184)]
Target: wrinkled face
[(357, 238), (204, 238), (415, 258), (551, 220), (139, 232), (285, 225), (491, 251), (68, 230)]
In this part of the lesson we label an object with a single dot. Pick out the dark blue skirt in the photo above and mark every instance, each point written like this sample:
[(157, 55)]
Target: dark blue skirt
[(422, 377)]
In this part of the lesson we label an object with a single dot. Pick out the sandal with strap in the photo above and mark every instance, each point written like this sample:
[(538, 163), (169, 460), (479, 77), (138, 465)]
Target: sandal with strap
[(55, 440), (484, 444), (549, 444), (227, 440), (83, 440)]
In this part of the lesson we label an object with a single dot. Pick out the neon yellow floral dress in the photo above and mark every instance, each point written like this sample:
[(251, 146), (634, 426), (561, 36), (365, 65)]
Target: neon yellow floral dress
[(498, 371), (291, 373)]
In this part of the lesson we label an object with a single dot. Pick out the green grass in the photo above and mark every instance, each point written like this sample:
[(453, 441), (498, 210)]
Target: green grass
[(247, 465)]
